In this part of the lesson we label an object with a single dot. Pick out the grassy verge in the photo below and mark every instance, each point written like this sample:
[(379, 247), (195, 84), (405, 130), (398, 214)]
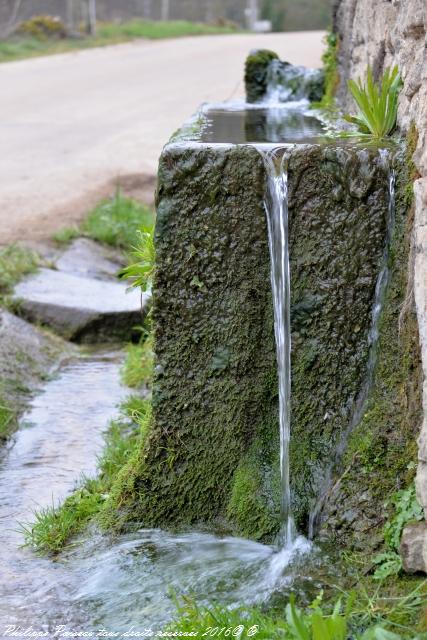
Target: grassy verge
[(20, 47), (54, 526), (114, 222)]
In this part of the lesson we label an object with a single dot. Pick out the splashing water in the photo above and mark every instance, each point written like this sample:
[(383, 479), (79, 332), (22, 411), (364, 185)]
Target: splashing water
[(276, 207)]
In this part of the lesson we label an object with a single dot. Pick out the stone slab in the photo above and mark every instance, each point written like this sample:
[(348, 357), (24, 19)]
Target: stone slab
[(413, 547), (78, 308), (89, 259)]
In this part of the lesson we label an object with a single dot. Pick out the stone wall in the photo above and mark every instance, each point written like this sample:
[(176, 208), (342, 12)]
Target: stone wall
[(383, 33)]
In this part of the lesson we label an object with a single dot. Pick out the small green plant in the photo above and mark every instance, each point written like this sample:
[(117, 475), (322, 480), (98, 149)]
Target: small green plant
[(138, 366), (15, 262), (377, 104), (66, 235), (316, 626), (406, 508), (116, 221), (141, 272)]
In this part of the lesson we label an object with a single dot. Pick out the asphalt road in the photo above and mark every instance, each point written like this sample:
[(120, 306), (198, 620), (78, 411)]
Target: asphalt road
[(71, 124)]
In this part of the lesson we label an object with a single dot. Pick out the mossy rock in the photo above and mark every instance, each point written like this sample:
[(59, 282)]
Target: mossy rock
[(256, 73), (213, 449)]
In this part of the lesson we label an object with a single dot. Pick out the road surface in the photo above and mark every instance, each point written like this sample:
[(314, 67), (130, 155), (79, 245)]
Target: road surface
[(70, 124)]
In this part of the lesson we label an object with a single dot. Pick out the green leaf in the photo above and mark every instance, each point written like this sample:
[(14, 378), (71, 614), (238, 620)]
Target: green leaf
[(295, 620)]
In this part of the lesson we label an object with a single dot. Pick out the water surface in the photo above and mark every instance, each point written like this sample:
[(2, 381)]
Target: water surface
[(252, 125)]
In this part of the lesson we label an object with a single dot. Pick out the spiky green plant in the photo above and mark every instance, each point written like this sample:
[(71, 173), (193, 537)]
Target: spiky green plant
[(377, 103)]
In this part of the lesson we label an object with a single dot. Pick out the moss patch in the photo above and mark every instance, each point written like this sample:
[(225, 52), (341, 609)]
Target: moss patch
[(383, 445)]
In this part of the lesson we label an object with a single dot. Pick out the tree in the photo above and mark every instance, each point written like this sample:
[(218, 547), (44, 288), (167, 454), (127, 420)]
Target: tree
[(165, 9), (90, 11), (9, 27)]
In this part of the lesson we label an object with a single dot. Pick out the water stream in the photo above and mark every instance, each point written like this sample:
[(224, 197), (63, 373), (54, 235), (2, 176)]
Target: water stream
[(276, 207), (59, 440)]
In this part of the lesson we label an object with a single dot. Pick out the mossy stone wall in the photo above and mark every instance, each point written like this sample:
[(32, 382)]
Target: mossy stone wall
[(213, 449)]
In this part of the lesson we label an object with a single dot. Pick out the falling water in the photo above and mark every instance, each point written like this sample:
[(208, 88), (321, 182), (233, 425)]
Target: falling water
[(276, 207), (373, 335)]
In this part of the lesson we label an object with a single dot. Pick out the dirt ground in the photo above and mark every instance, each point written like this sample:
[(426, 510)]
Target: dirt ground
[(74, 125)]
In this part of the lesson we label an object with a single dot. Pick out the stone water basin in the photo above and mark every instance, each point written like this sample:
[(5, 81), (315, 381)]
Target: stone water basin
[(244, 123)]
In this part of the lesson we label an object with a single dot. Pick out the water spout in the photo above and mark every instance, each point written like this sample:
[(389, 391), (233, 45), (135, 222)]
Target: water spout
[(276, 207)]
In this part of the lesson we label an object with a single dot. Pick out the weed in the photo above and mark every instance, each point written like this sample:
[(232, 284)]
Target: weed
[(330, 67), (141, 272), (7, 417), (313, 623)]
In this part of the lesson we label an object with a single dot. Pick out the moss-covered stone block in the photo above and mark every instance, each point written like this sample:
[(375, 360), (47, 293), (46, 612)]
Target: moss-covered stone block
[(256, 73), (213, 449)]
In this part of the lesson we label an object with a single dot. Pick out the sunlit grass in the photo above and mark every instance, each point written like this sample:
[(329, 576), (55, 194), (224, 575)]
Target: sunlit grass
[(115, 221)]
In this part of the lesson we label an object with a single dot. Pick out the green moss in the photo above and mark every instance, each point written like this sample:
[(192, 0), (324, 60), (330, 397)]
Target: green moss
[(411, 169), (256, 73), (215, 401), (255, 496), (382, 450)]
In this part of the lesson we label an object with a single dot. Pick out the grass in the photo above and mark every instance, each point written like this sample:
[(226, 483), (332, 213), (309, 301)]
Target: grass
[(138, 366), (54, 526), (7, 418), (358, 615), (20, 47), (15, 262), (115, 222)]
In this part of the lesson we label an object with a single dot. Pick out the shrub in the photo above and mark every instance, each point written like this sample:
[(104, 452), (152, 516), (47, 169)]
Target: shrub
[(43, 28)]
